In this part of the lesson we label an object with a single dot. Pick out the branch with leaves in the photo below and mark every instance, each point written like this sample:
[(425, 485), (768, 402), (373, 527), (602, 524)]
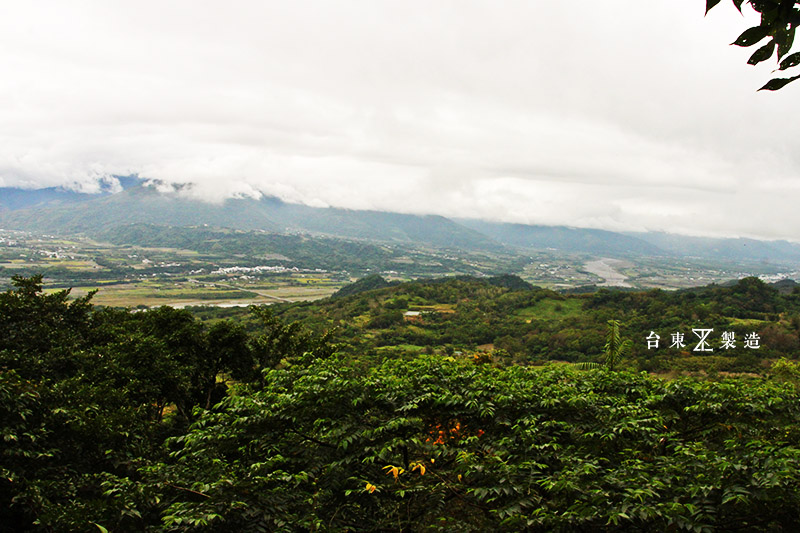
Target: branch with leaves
[(779, 19)]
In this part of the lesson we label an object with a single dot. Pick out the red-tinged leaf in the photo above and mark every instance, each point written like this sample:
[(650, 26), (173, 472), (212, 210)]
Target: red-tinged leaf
[(790, 61), (778, 83), (710, 4), (751, 36), (762, 54)]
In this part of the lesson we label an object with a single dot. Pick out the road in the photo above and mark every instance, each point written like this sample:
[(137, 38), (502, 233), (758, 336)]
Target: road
[(260, 293)]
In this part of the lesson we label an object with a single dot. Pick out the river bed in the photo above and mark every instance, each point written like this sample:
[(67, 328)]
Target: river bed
[(606, 269)]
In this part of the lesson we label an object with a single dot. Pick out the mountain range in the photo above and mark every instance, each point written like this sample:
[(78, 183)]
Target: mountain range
[(62, 211)]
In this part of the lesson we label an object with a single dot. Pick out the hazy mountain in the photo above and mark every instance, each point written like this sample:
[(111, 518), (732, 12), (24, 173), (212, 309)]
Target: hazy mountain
[(135, 205), (376, 225), (593, 241), (63, 211), (601, 242), (716, 248), (144, 204), (12, 198), (784, 286)]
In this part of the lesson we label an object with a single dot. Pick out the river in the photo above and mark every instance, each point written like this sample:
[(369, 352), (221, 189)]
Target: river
[(606, 269)]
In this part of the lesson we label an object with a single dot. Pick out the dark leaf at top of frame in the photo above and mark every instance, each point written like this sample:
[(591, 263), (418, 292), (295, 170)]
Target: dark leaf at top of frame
[(778, 83), (786, 8), (710, 4), (790, 61), (785, 40), (762, 54), (764, 6), (751, 36)]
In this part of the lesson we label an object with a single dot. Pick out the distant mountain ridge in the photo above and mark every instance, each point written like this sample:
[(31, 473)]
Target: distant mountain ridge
[(62, 212), (55, 210), (565, 239), (14, 198), (720, 248)]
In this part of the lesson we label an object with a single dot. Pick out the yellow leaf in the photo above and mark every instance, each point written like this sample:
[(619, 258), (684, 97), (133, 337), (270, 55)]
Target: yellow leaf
[(370, 487), (459, 477), (394, 470)]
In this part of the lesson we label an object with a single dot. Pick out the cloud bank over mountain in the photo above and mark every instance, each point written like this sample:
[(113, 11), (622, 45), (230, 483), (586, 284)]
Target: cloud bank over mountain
[(621, 116)]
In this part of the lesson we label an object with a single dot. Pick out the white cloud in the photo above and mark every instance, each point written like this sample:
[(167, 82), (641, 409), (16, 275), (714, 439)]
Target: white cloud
[(621, 115)]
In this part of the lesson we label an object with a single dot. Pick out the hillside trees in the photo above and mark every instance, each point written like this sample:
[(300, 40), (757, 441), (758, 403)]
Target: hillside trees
[(85, 393)]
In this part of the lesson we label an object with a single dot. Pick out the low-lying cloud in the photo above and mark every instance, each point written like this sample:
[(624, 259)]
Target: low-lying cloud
[(619, 115)]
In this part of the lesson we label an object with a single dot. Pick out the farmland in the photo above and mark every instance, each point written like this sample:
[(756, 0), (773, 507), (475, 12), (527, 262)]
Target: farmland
[(147, 266)]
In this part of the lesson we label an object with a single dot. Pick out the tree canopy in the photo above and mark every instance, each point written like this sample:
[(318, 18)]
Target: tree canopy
[(114, 420)]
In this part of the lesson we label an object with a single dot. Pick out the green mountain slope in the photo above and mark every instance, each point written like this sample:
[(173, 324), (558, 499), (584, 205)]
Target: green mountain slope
[(143, 204)]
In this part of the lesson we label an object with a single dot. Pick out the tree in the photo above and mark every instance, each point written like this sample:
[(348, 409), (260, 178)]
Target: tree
[(779, 19), (613, 351), (615, 348)]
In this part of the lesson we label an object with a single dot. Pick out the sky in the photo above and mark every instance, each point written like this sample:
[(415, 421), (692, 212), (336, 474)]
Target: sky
[(619, 115)]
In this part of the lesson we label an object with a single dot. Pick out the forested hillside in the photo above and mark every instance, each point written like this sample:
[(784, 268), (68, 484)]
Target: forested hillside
[(156, 421), (509, 320), (303, 251)]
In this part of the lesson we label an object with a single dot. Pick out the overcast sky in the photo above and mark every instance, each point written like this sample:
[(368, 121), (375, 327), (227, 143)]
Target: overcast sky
[(624, 114)]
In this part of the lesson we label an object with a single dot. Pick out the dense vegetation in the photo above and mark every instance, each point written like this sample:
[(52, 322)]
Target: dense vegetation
[(515, 322), (155, 421)]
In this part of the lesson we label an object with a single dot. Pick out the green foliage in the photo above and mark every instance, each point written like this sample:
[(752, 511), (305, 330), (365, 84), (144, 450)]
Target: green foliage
[(153, 421), (89, 395), (786, 371), (779, 19), (278, 343), (615, 348), (533, 324), (437, 444), (613, 351)]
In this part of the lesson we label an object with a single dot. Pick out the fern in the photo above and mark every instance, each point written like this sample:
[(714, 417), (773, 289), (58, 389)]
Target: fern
[(615, 348)]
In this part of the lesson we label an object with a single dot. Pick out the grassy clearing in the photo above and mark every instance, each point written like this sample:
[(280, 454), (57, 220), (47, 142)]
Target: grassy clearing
[(747, 322), (408, 348), (552, 309), (441, 308)]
